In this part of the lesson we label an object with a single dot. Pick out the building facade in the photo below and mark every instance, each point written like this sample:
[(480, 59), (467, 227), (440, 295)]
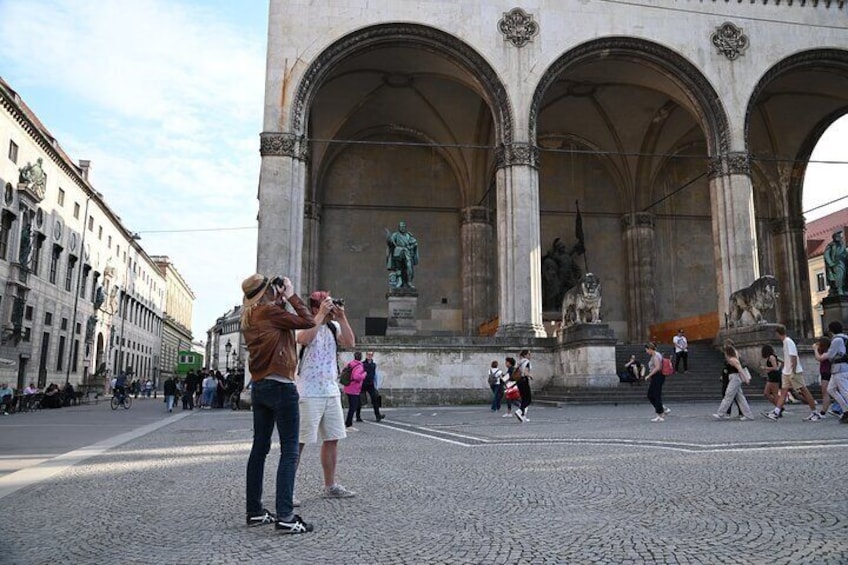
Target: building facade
[(681, 128), (176, 329), (819, 234), (80, 297), (225, 350)]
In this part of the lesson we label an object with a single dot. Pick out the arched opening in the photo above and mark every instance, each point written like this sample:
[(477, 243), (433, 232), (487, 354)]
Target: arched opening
[(400, 120), (626, 127), (793, 105)]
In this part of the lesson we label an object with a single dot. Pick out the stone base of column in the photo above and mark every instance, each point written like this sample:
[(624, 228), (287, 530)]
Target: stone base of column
[(403, 312), (749, 340), (520, 330), (586, 356), (835, 309)]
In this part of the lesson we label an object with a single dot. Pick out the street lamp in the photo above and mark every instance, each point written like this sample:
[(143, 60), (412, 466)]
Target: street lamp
[(228, 347), (235, 360)]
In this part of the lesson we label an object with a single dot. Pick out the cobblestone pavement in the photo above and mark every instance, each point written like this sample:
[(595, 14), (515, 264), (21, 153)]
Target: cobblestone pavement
[(581, 484)]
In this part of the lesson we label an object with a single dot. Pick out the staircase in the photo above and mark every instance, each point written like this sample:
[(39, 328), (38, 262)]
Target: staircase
[(701, 383)]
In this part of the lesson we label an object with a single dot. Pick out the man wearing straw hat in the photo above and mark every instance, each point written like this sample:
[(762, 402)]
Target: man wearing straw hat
[(268, 329)]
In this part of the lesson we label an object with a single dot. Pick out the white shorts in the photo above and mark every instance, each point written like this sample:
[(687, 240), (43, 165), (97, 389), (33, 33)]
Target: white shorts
[(321, 416)]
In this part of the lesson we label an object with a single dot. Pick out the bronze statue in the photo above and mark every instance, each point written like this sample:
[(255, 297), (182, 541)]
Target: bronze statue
[(401, 257), (836, 262), (560, 272)]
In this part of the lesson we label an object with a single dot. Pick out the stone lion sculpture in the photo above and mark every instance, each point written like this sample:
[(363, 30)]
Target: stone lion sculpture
[(760, 297), (582, 303)]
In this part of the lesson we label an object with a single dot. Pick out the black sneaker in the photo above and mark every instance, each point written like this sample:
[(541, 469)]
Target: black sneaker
[(295, 526), (261, 519), (843, 419)]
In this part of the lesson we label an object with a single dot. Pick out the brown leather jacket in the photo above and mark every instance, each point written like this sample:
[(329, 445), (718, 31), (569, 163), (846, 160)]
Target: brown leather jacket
[(270, 338)]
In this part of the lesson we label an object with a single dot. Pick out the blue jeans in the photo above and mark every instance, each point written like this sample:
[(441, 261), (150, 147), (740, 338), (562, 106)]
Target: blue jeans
[(274, 403), (497, 394), (169, 402)]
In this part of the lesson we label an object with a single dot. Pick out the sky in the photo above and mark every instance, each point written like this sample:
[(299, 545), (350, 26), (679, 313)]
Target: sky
[(165, 97)]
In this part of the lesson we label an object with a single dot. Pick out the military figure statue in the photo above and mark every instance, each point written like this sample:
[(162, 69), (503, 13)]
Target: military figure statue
[(835, 265), (401, 257)]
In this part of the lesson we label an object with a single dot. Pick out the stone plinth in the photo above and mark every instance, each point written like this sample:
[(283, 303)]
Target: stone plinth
[(835, 309), (586, 356), (403, 312), (749, 340)]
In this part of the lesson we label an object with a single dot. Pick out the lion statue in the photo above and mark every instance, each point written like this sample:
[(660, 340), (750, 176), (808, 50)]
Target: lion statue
[(582, 303), (760, 297)]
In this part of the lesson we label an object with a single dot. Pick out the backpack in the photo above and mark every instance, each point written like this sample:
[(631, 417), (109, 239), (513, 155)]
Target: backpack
[(494, 376), (842, 356), (667, 368), (346, 374)]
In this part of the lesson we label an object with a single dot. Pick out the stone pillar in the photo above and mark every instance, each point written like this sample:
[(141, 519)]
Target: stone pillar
[(790, 258), (519, 246), (638, 233), (734, 238), (477, 268), (311, 237), (282, 189)]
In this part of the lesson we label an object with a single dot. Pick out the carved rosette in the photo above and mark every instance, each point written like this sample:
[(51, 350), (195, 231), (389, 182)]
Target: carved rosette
[(518, 27), (476, 215), (729, 164), (516, 154), (283, 145), (637, 220), (730, 41)]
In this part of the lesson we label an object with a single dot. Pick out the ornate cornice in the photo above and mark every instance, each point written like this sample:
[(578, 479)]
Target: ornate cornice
[(787, 224), (278, 144), (476, 215), (508, 155), (518, 27), (399, 34), (737, 163), (637, 220), (730, 40)]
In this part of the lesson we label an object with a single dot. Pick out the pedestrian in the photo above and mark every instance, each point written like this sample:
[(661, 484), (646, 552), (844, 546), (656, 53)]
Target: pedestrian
[(825, 370), (370, 388), (148, 388), (792, 377), (681, 351), (771, 367), (318, 385), (733, 393), (726, 371), (495, 380), (657, 380), (354, 388), (267, 327), (508, 382), (522, 378), (188, 390), (170, 389), (837, 354), (210, 383)]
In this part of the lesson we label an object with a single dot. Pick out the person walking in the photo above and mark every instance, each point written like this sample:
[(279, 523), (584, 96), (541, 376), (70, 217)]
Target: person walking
[(681, 351), (507, 382), (267, 327), (495, 380), (354, 388), (169, 387), (522, 378), (819, 349), (369, 388), (771, 367), (792, 378), (837, 354), (657, 380), (210, 384), (318, 385), (737, 376)]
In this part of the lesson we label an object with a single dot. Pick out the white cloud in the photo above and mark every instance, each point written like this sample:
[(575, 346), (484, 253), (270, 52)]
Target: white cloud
[(166, 100), (825, 182)]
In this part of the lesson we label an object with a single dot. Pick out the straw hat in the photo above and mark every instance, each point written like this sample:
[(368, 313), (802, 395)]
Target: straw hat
[(254, 287)]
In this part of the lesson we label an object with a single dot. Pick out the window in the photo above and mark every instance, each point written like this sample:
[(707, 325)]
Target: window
[(13, 151), (76, 210), (76, 356), (61, 197), (84, 282), (35, 265), (54, 263), (69, 273), (78, 328), (91, 224), (48, 318), (64, 325), (27, 334), (118, 250), (94, 286), (28, 313), (61, 356), (109, 242), (820, 282), (5, 229), (99, 231)]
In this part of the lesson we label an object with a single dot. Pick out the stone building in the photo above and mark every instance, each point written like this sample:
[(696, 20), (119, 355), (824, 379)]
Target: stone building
[(682, 128), (819, 234), (79, 294), (176, 330), (225, 348)]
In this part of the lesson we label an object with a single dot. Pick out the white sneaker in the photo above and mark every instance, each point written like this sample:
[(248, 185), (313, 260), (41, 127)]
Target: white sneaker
[(507, 415), (519, 415), (718, 416), (658, 419), (813, 417), (668, 410), (746, 419)]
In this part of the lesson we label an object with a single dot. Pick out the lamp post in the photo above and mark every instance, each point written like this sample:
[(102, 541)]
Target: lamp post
[(235, 360), (227, 348)]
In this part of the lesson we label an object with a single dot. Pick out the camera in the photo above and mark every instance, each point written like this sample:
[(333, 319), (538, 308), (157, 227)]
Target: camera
[(338, 302), (277, 281)]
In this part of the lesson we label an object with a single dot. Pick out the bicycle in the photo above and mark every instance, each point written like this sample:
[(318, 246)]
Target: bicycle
[(121, 399)]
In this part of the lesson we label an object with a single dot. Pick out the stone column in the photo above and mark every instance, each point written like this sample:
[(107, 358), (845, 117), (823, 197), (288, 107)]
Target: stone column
[(477, 268), (311, 236), (282, 189), (790, 258), (638, 233), (734, 238), (519, 247)]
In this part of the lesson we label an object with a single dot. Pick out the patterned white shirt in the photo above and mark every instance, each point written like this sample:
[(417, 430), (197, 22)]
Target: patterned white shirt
[(318, 373)]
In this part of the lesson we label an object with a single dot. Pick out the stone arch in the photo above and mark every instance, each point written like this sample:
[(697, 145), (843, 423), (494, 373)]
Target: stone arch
[(491, 87), (702, 96)]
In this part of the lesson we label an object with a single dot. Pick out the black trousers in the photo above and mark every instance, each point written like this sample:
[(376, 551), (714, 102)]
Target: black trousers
[(655, 392), (678, 356), (374, 396), (352, 408)]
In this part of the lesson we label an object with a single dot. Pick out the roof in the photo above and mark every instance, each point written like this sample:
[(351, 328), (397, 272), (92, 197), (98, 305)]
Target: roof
[(820, 232)]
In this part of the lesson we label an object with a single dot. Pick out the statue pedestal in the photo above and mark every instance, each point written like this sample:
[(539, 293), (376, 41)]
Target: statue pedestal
[(835, 309), (749, 340), (586, 356), (403, 312)]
